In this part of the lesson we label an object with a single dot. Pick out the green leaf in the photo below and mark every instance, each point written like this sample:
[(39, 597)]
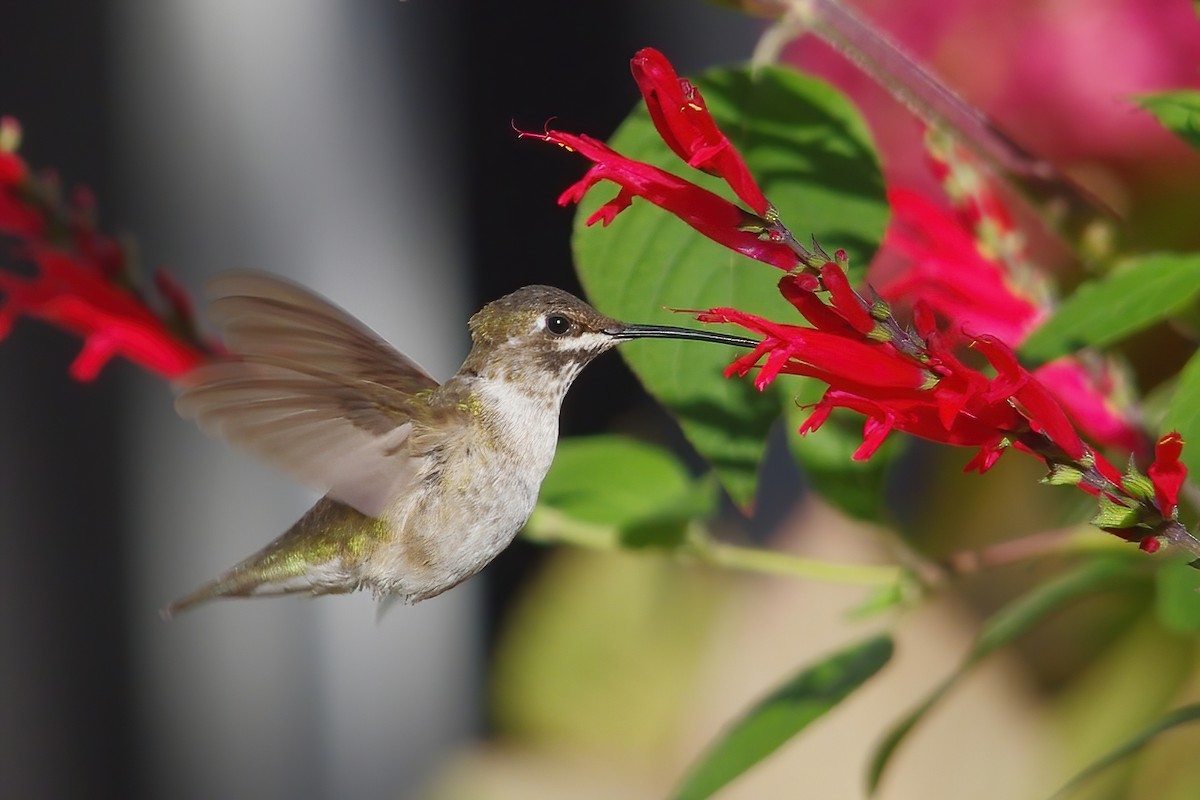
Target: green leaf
[(637, 488), (813, 157), (825, 456), (1183, 415), (1004, 627), (1177, 597), (1178, 111), (1104, 311), (667, 525), (1179, 716), (783, 714)]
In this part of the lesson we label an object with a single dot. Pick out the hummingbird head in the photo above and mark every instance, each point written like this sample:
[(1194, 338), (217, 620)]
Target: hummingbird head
[(539, 335)]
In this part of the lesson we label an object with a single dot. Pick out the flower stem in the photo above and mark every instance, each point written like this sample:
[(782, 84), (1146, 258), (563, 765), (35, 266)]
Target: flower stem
[(1079, 216), (773, 562), (1075, 539), (1175, 533), (551, 526)]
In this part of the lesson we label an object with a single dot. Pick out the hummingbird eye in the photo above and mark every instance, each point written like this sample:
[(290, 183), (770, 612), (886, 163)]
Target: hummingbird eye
[(557, 324)]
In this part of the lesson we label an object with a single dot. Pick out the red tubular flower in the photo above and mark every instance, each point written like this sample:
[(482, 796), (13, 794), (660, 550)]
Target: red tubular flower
[(681, 116), (710, 214), (1017, 385), (915, 415), (915, 384), (682, 119), (79, 283), (1168, 473), (110, 320), (848, 363), (845, 300), (800, 290)]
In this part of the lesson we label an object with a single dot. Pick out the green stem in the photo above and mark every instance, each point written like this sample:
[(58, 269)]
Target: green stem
[(549, 526), (1080, 217), (1073, 540), (773, 562)]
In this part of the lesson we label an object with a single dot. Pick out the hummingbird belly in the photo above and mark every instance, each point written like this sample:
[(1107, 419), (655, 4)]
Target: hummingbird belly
[(449, 534), (477, 492)]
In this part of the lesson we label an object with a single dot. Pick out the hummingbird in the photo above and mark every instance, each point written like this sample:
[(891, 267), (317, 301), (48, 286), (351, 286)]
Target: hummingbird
[(425, 482)]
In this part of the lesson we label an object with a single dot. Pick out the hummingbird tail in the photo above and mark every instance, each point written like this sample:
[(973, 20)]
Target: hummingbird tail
[(209, 591), (248, 580), (317, 555), (241, 581)]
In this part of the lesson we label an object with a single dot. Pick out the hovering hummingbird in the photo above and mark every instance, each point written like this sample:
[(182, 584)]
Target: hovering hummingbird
[(426, 482)]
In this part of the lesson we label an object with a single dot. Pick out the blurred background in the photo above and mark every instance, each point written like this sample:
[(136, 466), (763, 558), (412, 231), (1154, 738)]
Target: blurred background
[(366, 149)]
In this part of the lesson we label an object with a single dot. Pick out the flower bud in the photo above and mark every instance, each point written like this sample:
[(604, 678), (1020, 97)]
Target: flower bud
[(1063, 475), (1137, 484), (1113, 515)]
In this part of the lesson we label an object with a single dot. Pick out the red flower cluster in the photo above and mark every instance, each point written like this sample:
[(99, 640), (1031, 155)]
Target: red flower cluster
[(899, 379), (82, 283)]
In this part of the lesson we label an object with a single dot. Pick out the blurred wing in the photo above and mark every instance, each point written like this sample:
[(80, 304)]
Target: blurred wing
[(307, 388)]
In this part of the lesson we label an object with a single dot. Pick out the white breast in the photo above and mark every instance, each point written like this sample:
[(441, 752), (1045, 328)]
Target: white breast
[(485, 492), (527, 424)]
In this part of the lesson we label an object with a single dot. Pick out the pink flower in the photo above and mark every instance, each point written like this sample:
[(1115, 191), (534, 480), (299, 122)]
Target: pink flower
[(1036, 69), (1086, 388), (948, 271)]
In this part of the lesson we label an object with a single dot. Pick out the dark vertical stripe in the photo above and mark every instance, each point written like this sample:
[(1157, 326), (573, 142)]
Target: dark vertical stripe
[(66, 726)]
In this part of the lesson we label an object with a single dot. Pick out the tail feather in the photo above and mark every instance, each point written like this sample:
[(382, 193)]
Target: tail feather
[(320, 554)]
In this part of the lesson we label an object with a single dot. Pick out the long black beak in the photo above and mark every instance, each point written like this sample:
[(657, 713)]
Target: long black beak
[(623, 331)]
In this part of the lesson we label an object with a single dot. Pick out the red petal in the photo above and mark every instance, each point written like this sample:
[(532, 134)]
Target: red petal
[(112, 321), (799, 290), (875, 430), (842, 361), (1084, 394), (709, 213), (847, 302), (1168, 473), (1035, 402), (682, 119)]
